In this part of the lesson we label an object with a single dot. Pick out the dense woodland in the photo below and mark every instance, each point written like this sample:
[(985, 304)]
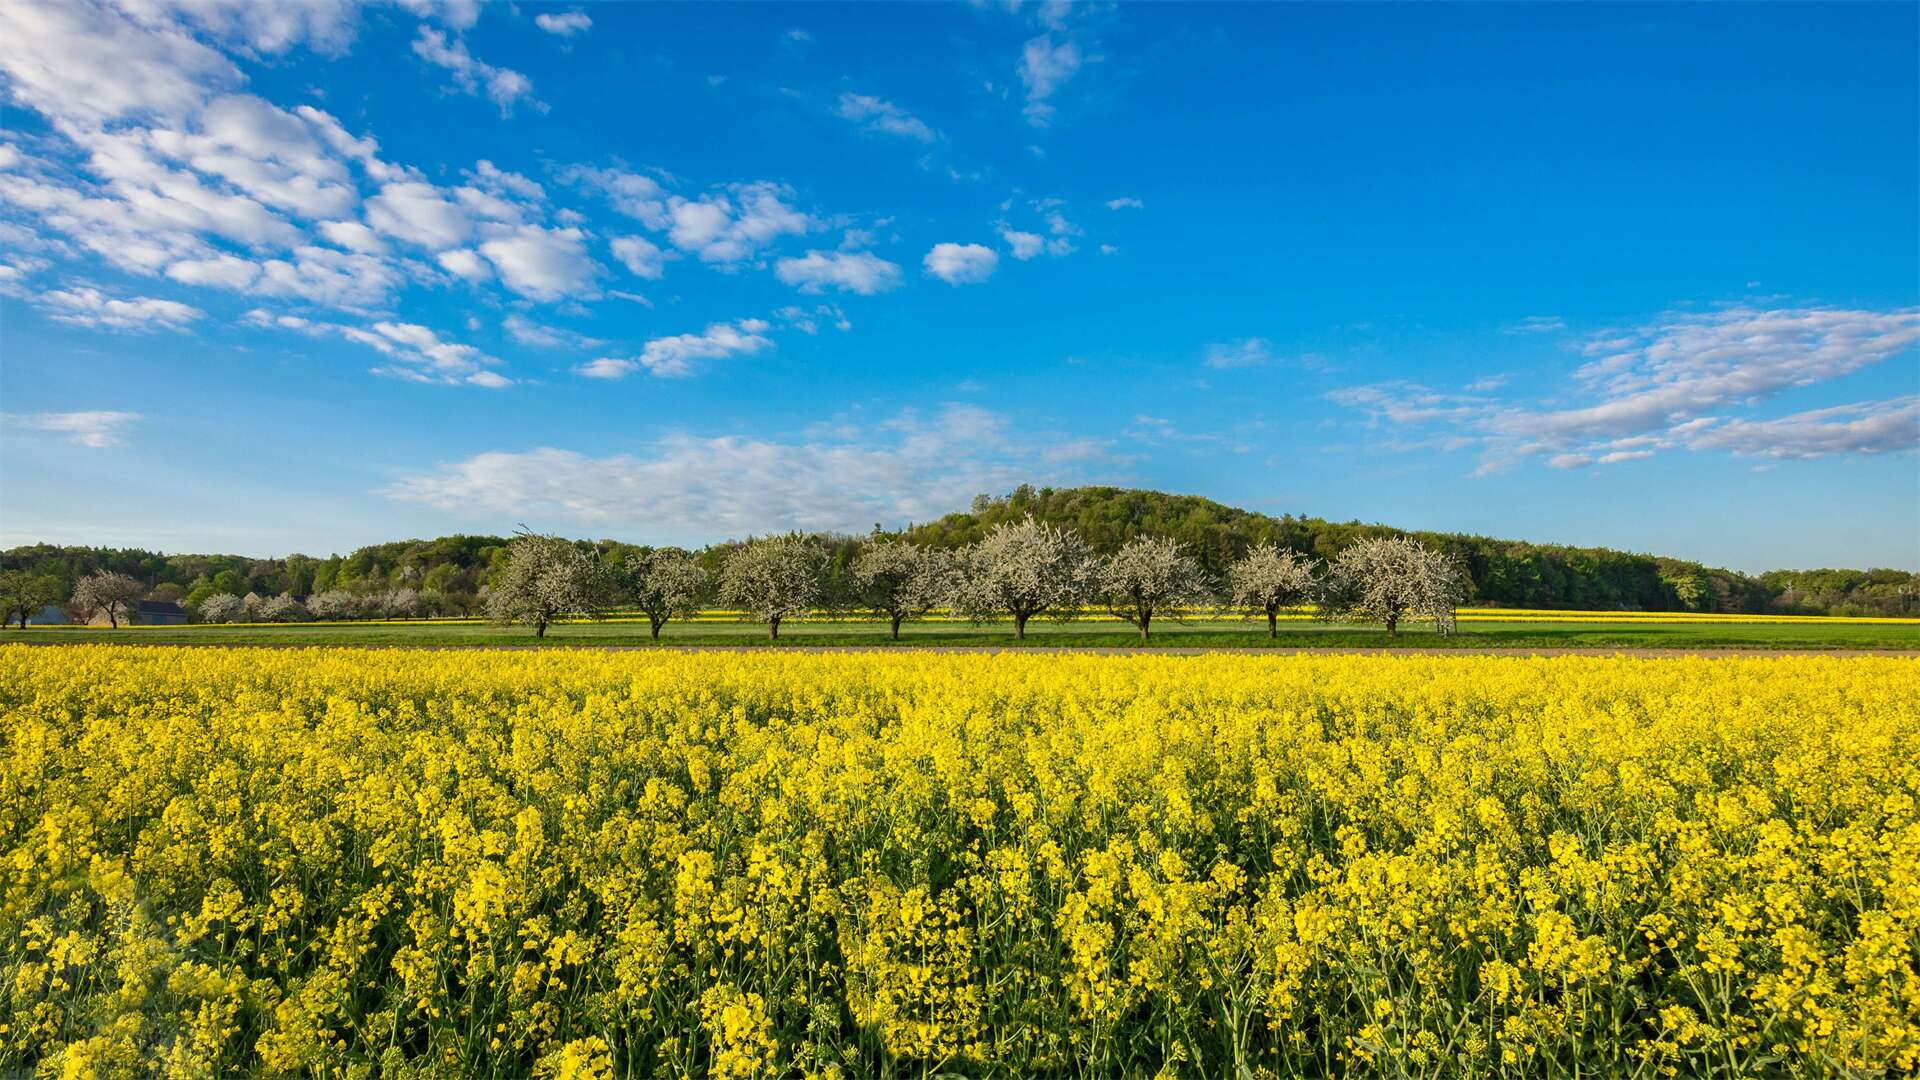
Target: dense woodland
[(453, 570)]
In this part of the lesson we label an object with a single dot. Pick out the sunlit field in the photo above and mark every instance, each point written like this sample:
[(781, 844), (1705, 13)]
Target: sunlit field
[(1478, 628), (601, 864)]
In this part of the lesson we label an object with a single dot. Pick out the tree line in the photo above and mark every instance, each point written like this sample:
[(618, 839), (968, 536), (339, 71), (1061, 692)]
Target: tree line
[(1018, 571), (450, 576)]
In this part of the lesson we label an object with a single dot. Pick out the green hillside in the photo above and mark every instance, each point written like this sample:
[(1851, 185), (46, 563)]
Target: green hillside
[(1506, 573)]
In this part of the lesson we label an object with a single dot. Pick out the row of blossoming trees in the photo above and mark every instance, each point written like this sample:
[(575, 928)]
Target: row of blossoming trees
[(1020, 571)]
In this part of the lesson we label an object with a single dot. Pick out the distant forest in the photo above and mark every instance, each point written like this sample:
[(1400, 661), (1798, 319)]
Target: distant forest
[(1504, 573)]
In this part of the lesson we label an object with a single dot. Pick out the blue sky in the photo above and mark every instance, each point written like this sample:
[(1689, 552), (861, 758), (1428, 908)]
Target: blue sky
[(298, 278)]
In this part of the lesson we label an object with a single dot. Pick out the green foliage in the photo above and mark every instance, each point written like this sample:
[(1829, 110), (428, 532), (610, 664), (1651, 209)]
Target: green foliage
[(1505, 573)]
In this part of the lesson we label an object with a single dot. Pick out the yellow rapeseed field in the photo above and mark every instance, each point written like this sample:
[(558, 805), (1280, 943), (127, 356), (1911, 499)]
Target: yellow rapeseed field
[(584, 864)]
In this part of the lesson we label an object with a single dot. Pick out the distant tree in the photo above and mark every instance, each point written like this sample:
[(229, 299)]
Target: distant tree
[(898, 580), (332, 604), (168, 593), (1387, 579), (283, 608), (776, 578), (1270, 578), (1149, 576), (109, 594), (250, 606), (222, 608), (1022, 569), (546, 578), (22, 594), (402, 603), (666, 583)]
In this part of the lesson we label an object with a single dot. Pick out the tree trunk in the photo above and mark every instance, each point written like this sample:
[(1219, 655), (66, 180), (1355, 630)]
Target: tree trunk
[(1393, 624), (773, 628), (896, 628), (1273, 624), (540, 629), (1019, 626), (1146, 620), (656, 626), (113, 620)]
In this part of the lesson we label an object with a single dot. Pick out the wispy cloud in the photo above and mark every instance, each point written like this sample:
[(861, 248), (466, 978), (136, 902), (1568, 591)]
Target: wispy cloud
[(96, 428), (873, 114), (843, 477), (1669, 384)]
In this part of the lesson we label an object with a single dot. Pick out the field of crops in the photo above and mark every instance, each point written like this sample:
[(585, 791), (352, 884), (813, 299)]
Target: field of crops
[(780, 864)]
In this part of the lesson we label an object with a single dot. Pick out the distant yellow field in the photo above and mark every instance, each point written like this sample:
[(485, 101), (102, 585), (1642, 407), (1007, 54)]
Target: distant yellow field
[(1297, 615), (780, 864)]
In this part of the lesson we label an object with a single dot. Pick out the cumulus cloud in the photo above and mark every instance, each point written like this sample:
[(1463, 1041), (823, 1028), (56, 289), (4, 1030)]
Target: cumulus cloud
[(1126, 203), (687, 488), (1029, 245), (564, 24), (96, 428), (641, 256), (873, 114), (88, 306), (858, 272), (1669, 384), (961, 264), (677, 356), (733, 225), (502, 86), (542, 263), (415, 212)]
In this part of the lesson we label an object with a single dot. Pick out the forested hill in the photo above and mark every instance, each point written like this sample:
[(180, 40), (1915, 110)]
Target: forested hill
[(1507, 573)]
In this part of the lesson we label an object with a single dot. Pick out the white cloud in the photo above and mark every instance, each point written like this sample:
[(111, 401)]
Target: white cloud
[(98, 428), (686, 488), (1025, 245), (676, 356), (566, 24), (1537, 324), (1126, 203), (961, 264), (858, 272), (87, 306), (466, 264), (876, 115), (342, 279), (417, 213), (1688, 365), (1875, 427), (1029, 245), (527, 332), (641, 256), (502, 86), (731, 226), (1245, 353), (420, 354), (631, 193), (87, 64), (353, 236), (1044, 68), (541, 263), (224, 271), (1667, 385)]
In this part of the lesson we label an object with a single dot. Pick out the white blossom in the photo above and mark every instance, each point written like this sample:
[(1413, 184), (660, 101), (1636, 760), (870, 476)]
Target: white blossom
[(775, 578), (1024, 569)]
